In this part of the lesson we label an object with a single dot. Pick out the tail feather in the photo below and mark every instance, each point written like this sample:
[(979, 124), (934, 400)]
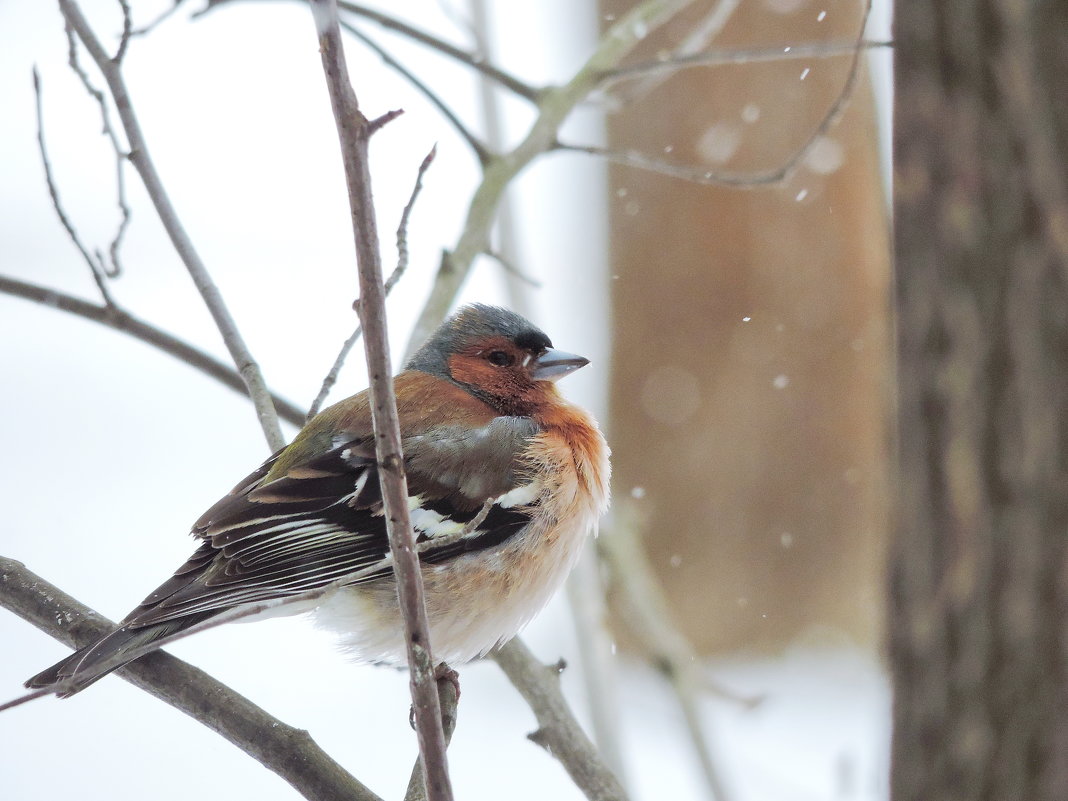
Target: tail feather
[(97, 659)]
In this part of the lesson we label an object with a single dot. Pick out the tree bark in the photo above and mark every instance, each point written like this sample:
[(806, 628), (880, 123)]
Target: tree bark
[(978, 585)]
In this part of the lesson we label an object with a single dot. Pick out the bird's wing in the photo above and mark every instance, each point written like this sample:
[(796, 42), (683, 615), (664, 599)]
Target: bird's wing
[(321, 519)]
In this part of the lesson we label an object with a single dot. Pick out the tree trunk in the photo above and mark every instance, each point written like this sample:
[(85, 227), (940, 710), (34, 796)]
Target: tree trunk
[(751, 339), (979, 583)]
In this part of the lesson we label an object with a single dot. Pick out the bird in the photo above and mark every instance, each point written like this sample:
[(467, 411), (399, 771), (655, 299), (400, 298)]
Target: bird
[(505, 480)]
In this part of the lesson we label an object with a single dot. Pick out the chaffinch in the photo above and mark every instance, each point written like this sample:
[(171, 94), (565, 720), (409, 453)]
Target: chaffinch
[(505, 478)]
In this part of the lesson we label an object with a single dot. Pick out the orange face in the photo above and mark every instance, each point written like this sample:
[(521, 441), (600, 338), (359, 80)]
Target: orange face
[(500, 370)]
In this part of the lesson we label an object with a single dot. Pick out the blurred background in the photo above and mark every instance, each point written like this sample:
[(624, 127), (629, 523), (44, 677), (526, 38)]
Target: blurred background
[(739, 339)]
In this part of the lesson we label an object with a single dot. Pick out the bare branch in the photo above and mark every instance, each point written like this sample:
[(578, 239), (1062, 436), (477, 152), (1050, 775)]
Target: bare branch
[(554, 105), (96, 268), (144, 30), (719, 57), (509, 82), (480, 150), (354, 131), (394, 277), (512, 270), (505, 79), (335, 370), (743, 180), (139, 157), (127, 27), (117, 318), (559, 733), (290, 753), (121, 155)]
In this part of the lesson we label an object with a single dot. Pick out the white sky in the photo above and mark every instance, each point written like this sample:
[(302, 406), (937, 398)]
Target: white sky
[(108, 442)]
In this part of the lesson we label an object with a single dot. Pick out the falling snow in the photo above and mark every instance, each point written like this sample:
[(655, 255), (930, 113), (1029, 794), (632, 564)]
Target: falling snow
[(670, 395), (781, 381), (825, 155), (784, 6), (720, 142)]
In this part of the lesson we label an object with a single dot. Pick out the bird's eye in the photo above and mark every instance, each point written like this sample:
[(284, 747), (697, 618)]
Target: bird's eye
[(500, 358)]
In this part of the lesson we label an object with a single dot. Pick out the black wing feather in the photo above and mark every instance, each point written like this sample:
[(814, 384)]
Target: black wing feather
[(322, 519)]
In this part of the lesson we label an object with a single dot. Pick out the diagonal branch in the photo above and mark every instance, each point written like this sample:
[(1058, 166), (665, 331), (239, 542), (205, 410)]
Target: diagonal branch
[(559, 733), (472, 60), (509, 82), (291, 753), (354, 133), (480, 150), (116, 317), (139, 156)]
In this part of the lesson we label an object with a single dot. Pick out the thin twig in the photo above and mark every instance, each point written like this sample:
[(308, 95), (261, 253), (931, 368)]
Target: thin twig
[(127, 27), (554, 106), (140, 158), (402, 226), (354, 130), (740, 179), (291, 753), (144, 30), (120, 320), (476, 145), (121, 155), (98, 271), (559, 733), (728, 55), (394, 277), (509, 82), (335, 370), (511, 269)]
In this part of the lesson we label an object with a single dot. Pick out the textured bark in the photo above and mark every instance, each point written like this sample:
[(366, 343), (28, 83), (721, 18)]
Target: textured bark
[(758, 446), (979, 586)]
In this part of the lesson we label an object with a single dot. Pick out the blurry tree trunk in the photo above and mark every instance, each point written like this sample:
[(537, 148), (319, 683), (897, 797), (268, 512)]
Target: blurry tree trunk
[(979, 581), (751, 336)]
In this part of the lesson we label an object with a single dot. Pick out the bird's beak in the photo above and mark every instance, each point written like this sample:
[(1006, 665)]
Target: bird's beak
[(555, 364)]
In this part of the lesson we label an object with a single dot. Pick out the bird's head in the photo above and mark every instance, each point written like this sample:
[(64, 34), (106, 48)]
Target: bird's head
[(497, 356)]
